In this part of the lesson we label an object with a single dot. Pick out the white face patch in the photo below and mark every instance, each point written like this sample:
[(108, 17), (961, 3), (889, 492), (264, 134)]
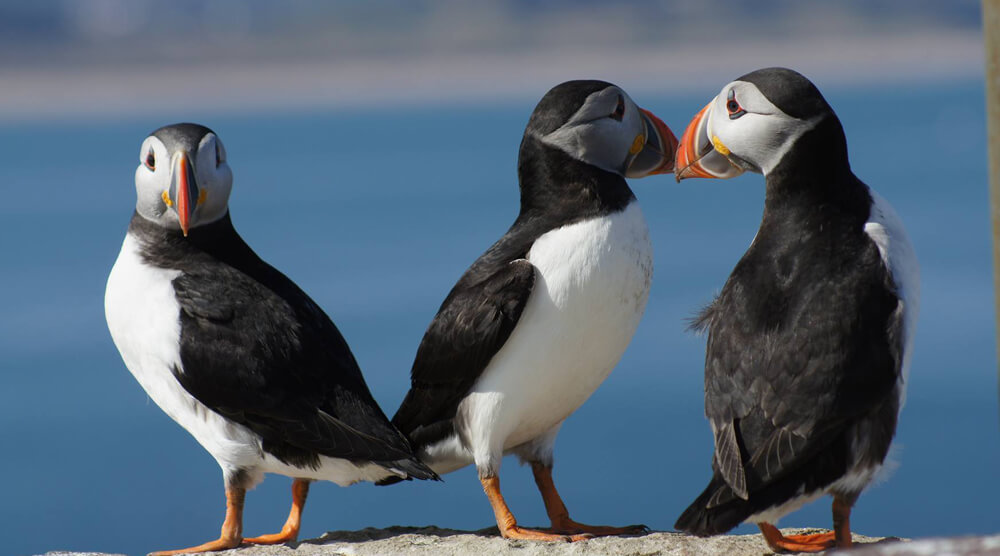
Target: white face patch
[(215, 178), (155, 172), (761, 133), (152, 177), (594, 134)]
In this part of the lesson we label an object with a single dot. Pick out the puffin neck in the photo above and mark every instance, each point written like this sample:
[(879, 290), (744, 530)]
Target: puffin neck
[(552, 182), (816, 172), (169, 248)]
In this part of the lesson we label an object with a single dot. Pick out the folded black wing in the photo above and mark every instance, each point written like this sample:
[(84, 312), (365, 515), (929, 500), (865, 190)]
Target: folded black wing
[(472, 324), (789, 366), (257, 350)]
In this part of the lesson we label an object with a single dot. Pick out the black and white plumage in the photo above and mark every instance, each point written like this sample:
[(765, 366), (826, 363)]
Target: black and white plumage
[(539, 320), (809, 341), (228, 346)]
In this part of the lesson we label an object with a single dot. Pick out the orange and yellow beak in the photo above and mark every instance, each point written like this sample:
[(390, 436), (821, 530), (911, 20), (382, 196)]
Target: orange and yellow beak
[(653, 153), (183, 191), (699, 156)]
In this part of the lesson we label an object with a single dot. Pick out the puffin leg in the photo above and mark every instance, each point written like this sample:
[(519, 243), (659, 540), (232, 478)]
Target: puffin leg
[(795, 543), (842, 522), (559, 515), (290, 532), (508, 526), (232, 528)]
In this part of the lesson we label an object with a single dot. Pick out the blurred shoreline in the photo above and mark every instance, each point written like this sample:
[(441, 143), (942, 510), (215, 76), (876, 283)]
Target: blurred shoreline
[(435, 77)]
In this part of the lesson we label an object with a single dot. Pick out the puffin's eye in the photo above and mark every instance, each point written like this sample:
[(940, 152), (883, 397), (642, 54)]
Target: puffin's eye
[(220, 153), (733, 107), (619, 112), (150, 161)]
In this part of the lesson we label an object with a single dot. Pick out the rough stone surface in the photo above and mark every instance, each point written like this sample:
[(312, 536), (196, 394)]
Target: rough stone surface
[(449, 542), (960, 546), (487, 542)]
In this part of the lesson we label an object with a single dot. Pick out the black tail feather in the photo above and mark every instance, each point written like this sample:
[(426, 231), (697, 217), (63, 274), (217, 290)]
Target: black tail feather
[(698, 519), (390, 480), (414, 469), (728, 510)]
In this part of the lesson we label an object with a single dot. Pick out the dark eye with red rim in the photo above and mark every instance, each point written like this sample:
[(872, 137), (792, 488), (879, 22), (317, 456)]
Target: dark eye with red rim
[(619, 112), (150, 161), (733, 107), (218, 154)]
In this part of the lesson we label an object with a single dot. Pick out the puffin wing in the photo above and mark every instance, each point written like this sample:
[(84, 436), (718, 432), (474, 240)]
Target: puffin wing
[(778, 393), (259, 351), (471, 326)]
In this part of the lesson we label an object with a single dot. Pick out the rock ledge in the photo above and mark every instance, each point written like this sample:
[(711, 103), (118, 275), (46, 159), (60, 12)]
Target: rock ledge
[(486, 542)]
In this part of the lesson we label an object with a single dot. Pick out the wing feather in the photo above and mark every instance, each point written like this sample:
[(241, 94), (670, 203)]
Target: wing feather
[(473, 323)]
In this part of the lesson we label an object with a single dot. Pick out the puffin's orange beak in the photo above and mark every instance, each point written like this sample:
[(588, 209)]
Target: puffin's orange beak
[(697, 156), (667, 142), (655, 154), (184, 191)]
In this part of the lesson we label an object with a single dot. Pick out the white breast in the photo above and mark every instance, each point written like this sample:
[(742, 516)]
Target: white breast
[(144, 320), (886, 230), (591, 286)]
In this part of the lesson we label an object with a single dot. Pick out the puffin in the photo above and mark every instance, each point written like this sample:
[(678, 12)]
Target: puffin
[(234, 351), (809, 340), (537, 322)]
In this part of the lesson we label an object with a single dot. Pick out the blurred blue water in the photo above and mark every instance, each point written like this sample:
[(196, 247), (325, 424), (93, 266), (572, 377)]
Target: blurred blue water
[(376, 214)]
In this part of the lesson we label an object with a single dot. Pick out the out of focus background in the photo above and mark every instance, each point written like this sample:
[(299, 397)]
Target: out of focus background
[(374, 150)]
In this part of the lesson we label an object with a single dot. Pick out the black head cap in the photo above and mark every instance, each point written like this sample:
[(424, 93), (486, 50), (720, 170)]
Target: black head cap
[(790, 91), (560, 103), (182, 137)]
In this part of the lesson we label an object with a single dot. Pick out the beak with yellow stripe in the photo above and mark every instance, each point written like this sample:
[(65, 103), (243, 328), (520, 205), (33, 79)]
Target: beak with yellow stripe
[(701, 155), (184, 191), (653, 150)]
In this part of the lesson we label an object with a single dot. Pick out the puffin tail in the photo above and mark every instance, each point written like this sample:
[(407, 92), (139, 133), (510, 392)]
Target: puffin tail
[(407, 470), (716, 510), (390, 480)]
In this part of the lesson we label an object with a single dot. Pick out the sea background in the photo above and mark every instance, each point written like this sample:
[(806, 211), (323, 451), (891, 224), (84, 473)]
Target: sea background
[(374, 151)]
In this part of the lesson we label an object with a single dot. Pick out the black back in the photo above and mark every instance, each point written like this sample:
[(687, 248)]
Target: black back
[(483, 308), (257, 350), (804, 341)]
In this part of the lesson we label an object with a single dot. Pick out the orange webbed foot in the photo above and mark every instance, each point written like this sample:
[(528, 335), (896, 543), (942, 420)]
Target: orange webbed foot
[(211, 546), (816, 542), (508, 526), (290, 532), (559, 515), (232, 528), (286, 535), (520, 533)]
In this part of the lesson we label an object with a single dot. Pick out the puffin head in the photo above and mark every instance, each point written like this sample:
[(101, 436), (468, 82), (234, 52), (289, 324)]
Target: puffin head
[(752, 125), (183, 179), (597, 123)]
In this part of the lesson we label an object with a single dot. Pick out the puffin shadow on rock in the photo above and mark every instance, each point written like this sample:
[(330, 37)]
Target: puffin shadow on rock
[(380, 534), (810, 339), (233, 350)]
